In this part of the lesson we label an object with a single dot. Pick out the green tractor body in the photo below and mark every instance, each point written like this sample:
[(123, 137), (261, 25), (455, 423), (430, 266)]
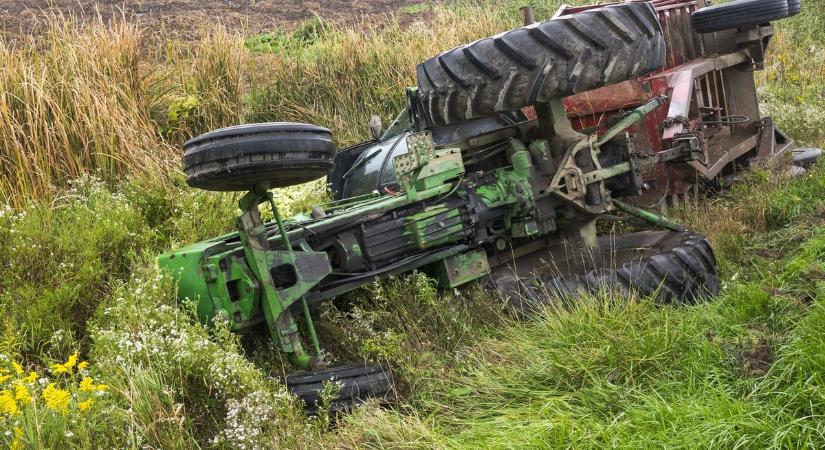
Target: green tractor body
[(463, 186), (454, 224)]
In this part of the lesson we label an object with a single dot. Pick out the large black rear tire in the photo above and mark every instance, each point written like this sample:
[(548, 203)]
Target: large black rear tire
[(541, 62), (671, 267), (277, 154), (741, 13)]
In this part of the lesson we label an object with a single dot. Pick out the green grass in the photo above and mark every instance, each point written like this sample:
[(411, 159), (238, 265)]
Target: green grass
[(280, 42), (415, 8), (745, 370)]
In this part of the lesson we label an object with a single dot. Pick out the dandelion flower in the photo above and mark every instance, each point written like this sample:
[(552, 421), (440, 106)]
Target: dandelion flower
[(56, 399), (85, 405), (7, 404)]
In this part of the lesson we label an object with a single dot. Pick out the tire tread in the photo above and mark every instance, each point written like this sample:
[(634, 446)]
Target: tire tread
[(541, 62)]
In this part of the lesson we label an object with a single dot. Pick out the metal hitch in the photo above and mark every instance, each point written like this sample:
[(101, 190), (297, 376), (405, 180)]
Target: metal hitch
[(285, 276)]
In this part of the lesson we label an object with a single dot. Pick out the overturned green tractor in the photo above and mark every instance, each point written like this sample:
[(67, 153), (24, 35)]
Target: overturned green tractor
[(479, 193)]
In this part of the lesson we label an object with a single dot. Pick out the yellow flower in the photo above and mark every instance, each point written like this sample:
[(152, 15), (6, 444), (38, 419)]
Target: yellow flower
[(15, 444), (21, 393), (85, 405), (71, 361), (32, 377), (60, 368), (83, 365), (56, 399), (67, 366), (17, 368), (7, 404), (86, 385), (3, 378)]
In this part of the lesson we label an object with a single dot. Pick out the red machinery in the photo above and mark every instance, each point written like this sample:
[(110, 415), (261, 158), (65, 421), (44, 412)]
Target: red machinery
[(709, 80)]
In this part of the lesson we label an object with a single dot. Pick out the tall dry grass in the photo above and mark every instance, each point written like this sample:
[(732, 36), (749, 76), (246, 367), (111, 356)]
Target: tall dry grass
[(75, 101), (98, 98), (113, 100), (345, 76)]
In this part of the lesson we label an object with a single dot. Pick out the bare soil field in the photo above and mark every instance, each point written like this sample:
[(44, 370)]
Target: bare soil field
[(186, 17)]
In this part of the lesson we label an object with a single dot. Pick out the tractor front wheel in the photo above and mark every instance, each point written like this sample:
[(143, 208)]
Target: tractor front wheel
[(277, 154)]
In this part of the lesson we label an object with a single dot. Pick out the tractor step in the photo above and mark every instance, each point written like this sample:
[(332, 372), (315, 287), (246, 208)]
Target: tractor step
[(352, 385)]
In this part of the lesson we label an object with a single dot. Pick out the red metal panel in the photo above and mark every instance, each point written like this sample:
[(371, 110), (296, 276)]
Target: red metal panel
[(609, 98)]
